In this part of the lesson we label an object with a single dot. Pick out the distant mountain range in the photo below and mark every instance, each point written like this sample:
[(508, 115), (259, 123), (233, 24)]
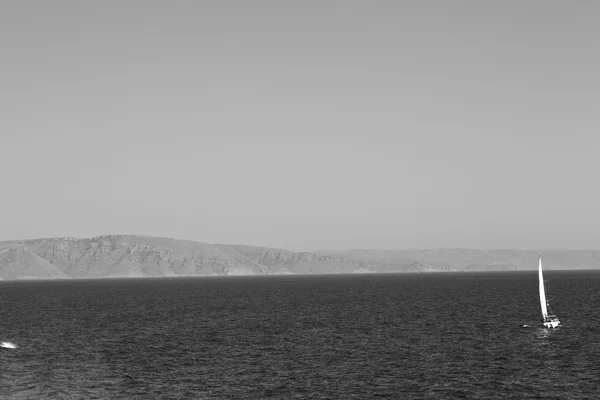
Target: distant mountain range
[(122, 256)]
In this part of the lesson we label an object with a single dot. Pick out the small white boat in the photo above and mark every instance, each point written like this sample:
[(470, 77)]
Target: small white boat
[(549, 320), (8, 345)]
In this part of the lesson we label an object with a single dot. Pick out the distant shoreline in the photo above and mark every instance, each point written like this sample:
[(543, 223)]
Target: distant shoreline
[(136, 256)]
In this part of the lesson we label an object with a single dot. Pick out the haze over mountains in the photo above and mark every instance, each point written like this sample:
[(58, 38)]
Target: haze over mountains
[(123, 256)]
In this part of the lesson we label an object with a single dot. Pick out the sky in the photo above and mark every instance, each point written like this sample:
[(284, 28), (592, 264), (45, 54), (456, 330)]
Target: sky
[(303, 125)]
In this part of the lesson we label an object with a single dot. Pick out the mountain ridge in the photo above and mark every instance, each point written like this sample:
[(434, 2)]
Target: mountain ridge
[(123, 256)]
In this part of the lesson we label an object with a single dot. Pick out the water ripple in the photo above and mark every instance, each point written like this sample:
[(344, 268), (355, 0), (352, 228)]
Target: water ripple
[(355, 337)]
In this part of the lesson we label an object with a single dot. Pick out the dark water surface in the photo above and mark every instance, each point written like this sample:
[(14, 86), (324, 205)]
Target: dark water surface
[(405, 336)]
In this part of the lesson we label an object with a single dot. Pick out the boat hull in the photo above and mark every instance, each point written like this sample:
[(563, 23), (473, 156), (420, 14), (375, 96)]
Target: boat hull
[(551, 324)]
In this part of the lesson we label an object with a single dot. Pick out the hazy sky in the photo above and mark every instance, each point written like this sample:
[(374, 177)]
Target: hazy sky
[(303, 124)]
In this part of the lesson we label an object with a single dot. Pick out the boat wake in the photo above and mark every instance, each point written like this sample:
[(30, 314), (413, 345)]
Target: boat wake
[(8, 345)]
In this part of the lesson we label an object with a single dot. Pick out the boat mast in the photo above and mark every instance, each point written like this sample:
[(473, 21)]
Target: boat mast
[(542, 290)]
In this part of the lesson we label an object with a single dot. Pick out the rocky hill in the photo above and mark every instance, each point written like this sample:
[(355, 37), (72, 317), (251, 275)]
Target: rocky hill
[(143, 256), (122, 256)]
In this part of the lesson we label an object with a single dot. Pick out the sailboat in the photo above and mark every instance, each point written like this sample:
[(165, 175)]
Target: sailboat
[(549, 320)]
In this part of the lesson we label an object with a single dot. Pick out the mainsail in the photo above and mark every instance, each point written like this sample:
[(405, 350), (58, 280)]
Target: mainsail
[(542, 292)]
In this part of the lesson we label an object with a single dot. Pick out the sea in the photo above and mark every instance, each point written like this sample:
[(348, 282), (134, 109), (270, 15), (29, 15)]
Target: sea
[(362, 336)]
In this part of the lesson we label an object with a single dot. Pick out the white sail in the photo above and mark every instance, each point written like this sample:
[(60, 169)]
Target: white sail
[(542, 292)]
